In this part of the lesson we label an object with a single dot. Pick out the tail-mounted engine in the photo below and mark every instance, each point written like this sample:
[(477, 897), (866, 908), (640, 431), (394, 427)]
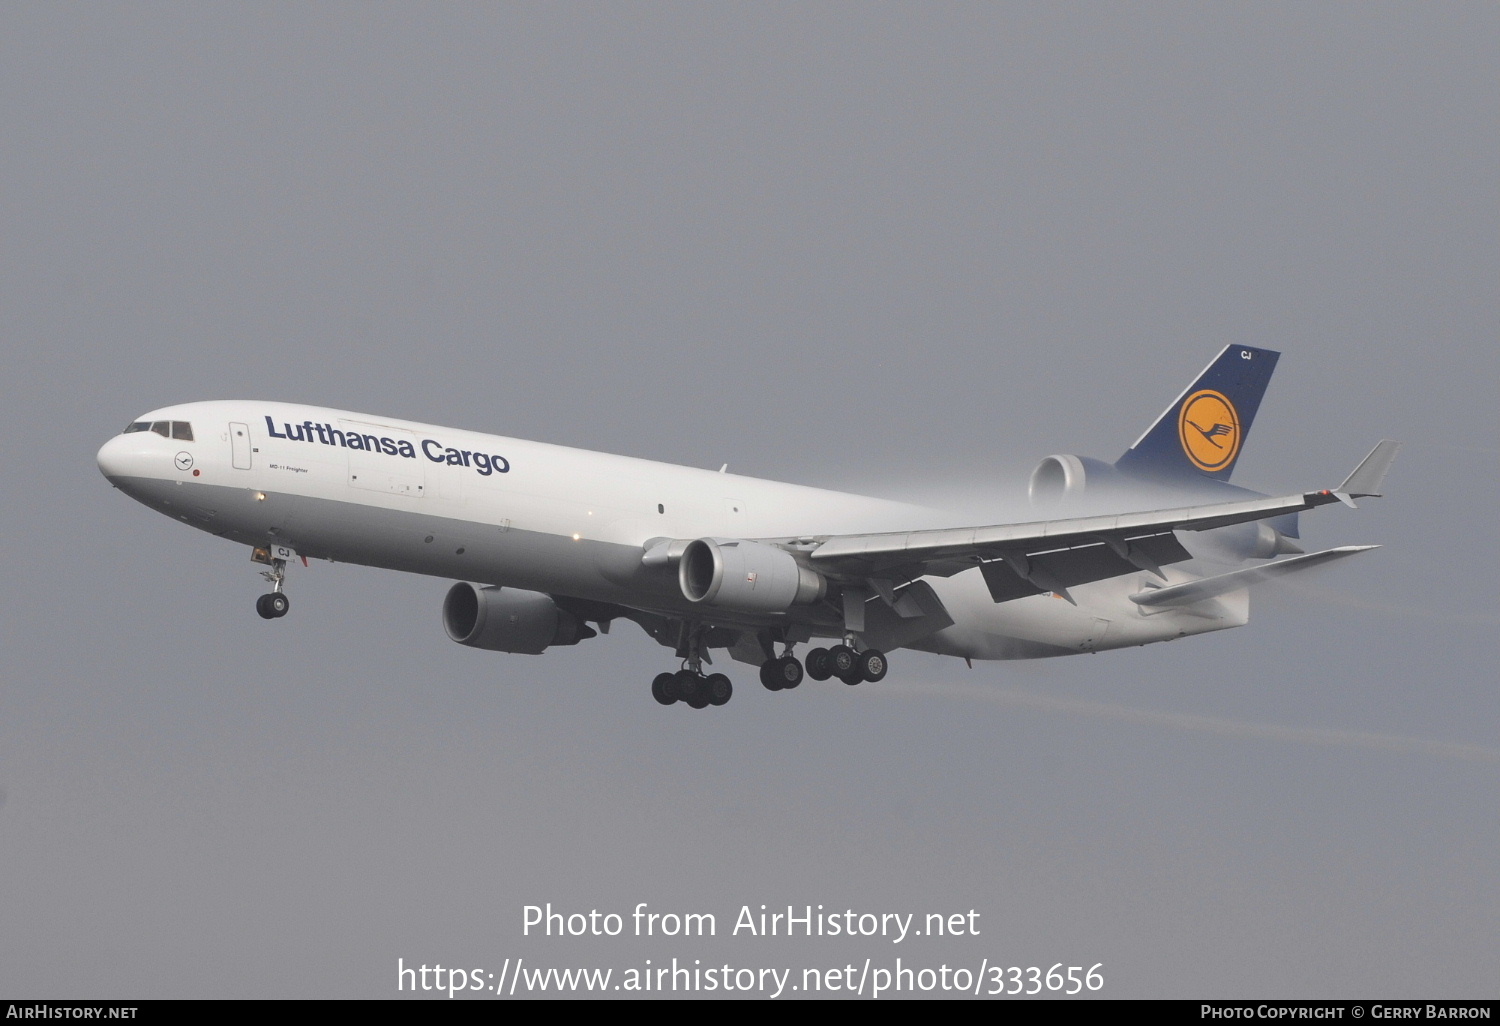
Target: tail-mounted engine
[(1067, 476)]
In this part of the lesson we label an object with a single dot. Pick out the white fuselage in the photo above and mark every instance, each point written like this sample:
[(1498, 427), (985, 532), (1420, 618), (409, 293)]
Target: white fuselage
[(567, 522)]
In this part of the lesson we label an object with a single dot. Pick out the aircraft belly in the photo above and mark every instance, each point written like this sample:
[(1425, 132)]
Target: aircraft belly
[(417, 542), (1041, 626)]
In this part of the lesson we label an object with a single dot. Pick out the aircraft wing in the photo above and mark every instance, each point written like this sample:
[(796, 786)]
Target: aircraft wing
[(1053, 555)]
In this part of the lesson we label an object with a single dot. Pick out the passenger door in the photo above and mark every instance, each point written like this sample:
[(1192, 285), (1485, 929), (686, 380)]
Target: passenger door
[(239, 444)]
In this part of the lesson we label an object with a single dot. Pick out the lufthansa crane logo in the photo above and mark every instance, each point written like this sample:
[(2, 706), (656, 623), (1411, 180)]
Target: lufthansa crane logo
[(1209, 427)]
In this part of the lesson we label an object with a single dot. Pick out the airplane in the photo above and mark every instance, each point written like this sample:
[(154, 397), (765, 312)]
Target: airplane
[(545, 541)]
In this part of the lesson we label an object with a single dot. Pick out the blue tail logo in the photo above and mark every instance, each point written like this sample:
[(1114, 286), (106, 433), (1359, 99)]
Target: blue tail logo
[(1201, 434)]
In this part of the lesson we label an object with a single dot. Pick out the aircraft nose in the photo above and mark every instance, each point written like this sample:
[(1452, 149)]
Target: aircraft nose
[(120, 457)]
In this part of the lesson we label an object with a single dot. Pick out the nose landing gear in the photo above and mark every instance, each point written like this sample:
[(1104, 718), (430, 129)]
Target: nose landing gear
[(274, 605)]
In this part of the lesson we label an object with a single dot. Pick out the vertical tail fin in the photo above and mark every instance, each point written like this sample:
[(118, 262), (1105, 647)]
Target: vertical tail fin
[(1200, 435)]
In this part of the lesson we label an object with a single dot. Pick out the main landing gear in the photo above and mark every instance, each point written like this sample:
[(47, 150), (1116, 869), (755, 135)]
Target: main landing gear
[(692, 687), (782, 674), (849, 666), (689, 684), (840, 661)]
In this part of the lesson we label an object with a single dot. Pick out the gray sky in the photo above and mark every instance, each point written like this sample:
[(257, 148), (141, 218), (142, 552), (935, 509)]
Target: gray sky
[(894, 249)]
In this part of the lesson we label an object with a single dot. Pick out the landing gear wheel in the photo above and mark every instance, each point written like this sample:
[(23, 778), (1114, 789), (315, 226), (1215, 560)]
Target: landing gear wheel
[(818, 667), (872, 665), (718, 689), (770, 676), (661, 689), (273, 605), (842, 661), (691, 689), (789, 671)]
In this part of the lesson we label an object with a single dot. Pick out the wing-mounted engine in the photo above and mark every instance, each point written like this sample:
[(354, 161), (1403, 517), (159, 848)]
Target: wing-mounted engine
[(509, 620), (746, 576)]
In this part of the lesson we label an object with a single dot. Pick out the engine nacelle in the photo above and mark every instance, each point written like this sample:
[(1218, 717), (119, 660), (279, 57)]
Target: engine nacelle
[(509, 620), (1238, 542), (746, 576), (1065, 476)]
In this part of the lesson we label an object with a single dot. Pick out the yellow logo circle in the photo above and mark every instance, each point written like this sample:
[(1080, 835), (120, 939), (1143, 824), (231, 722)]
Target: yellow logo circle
[(1209, 428)]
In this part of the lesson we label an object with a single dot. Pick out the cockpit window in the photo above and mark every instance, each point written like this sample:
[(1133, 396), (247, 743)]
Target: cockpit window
[(179, 429)]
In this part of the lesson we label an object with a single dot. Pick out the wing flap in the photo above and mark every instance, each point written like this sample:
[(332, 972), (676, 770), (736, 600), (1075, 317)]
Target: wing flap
[(1018, 575), (1212, 587), (889, 627)]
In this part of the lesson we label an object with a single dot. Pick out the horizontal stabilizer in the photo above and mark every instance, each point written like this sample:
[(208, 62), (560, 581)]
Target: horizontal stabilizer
[(1212, 587), (1368, 476)]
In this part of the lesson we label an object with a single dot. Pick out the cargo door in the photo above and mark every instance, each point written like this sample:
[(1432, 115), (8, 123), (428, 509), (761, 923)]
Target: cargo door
[(383, 459)]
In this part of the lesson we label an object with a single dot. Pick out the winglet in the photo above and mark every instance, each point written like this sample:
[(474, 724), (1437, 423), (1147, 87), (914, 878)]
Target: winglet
[(1367, 477)]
